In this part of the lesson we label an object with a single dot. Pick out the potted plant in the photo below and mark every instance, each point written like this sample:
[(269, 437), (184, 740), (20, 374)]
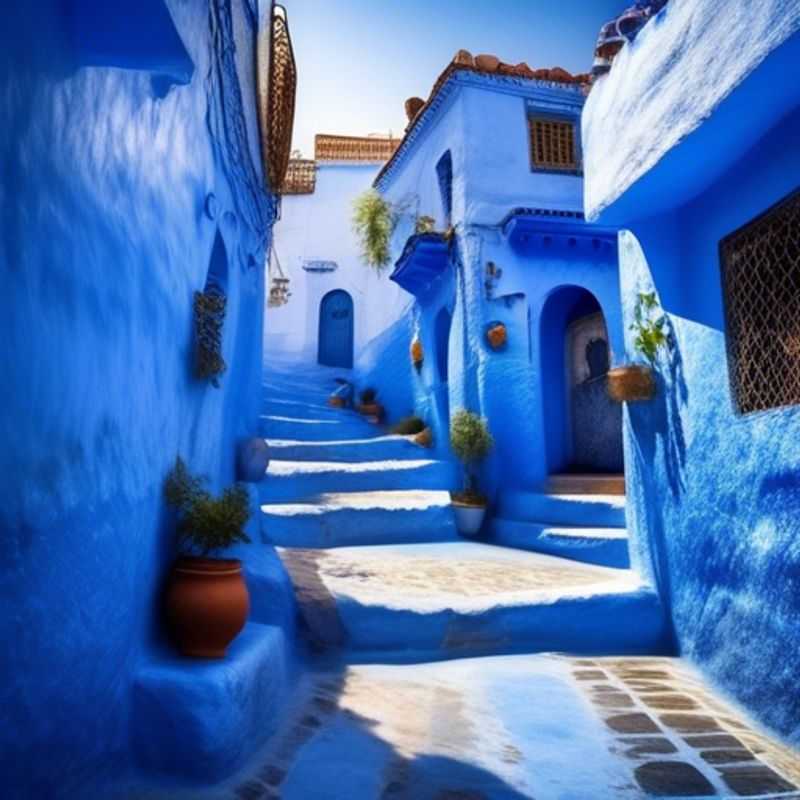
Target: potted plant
[(369, 407), (636, 382), (471, 442), (373, 223), (206, 600), (416, 428)]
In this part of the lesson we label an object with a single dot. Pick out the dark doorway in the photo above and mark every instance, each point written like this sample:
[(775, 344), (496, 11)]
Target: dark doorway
[(583, 424)]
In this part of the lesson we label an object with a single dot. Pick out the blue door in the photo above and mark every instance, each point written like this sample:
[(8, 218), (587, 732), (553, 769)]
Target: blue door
[(336, 329)]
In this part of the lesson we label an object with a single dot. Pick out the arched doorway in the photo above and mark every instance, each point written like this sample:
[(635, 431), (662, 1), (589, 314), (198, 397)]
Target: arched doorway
[(335, 342), (583, 424)]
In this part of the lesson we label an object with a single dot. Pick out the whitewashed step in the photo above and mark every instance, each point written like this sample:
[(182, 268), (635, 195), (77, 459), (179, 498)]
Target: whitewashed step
[(319, 429), (360, 518), (455, 599), (375, 448), (286, 480), (580, 510), (605, 546)]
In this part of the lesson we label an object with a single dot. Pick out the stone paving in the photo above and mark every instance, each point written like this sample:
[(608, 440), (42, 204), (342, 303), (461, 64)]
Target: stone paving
[(541, 727), (501, 727)]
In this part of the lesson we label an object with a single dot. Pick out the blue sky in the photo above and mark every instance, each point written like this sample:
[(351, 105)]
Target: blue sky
[(358, 60)]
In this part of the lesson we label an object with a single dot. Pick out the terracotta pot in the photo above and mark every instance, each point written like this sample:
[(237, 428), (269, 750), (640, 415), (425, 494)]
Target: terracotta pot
[(206, 605), (631, 383), (371, 409), (497, 336), (469, 517), (417, 353), (336, 402), (424, 438)]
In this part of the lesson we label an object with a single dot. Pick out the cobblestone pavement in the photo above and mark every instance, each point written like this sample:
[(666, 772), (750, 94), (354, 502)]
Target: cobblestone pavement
[(542, 727)]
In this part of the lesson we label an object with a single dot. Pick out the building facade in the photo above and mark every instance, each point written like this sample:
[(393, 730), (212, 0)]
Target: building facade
[(336, 302), (133, 181), (702, 180)]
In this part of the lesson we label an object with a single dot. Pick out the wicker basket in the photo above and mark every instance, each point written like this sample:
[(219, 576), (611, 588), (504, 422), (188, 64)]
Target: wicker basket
[(631, 383)]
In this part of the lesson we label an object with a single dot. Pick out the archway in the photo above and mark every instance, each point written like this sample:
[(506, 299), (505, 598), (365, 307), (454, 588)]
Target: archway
[(335, 342), (583, 426)]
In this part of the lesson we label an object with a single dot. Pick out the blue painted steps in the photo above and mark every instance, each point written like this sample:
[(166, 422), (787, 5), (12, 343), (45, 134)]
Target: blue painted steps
[(579, 510), (460, 598), (584, 527), (289, 480), (370, 448), (360, 518), (604, 546)]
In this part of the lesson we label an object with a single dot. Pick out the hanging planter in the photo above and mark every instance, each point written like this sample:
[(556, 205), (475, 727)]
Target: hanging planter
[(417, 354), (209, 318), (496, 335), (631, 383)]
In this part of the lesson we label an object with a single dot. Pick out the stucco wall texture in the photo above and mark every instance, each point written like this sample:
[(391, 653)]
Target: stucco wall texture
[(107, 232), (713, 495)]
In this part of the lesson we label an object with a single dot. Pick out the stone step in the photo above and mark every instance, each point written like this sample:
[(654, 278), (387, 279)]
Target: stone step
[(375, 448), (360, 518), (457, 599), (345, 425), (605, 546), (288, 480), (579, 510), (585, 484)]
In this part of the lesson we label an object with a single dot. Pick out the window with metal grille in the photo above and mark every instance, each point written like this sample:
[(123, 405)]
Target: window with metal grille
[(553, 145), (761, 287)]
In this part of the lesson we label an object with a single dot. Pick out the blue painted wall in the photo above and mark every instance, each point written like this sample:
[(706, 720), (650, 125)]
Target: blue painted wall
[(105, 237), (716, 495)]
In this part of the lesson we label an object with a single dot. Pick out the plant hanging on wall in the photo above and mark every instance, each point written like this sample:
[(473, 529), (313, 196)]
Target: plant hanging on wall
[(425, 224), (649, 328), (373, 222), (636, 382), (209, 317)]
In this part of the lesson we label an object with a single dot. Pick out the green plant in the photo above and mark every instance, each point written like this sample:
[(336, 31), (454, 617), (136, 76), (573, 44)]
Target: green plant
[(367, 396), (373, 223), (649, 328), (471, 442), (408, 426), (425, 224), (206, 523)]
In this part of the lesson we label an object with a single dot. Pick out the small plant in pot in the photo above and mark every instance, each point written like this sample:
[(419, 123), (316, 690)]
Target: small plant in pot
[(206, 602), (369, 407), (636, 382), (471, 442)]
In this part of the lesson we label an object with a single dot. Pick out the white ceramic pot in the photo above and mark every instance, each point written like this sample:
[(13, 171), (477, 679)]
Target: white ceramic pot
[(468, 518)]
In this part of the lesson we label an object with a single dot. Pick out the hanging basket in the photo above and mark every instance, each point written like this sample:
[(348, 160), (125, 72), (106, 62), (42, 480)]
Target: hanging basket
[(631, 383), (209, 318)]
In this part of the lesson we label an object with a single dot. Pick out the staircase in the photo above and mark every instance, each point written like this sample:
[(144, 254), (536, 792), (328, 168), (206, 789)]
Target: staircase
[(580, 517), (363, 523)]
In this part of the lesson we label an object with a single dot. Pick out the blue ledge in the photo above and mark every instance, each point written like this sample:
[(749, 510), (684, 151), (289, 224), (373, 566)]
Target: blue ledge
[(526, 228), (199, 720), (424, 258)]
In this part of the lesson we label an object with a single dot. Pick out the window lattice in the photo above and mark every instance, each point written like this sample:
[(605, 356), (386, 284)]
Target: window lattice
[(301, 177), (553, 145), (761, 286)]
